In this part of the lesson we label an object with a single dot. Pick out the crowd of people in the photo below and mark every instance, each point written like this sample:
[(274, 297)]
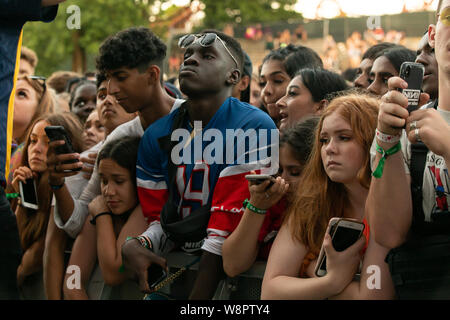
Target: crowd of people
[(157, 168)]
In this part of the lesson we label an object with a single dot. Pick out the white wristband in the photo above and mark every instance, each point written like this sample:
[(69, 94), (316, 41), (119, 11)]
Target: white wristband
[(386, 137)]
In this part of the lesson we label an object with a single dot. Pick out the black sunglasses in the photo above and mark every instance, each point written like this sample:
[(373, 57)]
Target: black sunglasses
[(205, 40)]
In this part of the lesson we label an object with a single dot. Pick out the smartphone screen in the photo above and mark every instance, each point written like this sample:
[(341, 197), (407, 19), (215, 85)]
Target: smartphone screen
[(342, 239), (28, 193), (155, 274)]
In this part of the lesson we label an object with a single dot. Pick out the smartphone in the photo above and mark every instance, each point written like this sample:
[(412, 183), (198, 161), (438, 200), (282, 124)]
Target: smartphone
[(344, 233), (155, 274), (331, 225), (55, 133), (28, 194), (412, 73), (258, 178)]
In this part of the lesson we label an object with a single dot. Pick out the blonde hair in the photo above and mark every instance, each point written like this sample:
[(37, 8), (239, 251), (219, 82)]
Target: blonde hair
[(318, 198), (46, 103), (29, 55)]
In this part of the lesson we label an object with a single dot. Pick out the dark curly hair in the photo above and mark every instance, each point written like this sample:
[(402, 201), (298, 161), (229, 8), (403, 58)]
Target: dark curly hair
[(135, 47)]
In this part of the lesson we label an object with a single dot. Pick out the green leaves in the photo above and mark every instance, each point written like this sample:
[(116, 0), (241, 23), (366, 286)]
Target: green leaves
[(54, 42), (59, 48)]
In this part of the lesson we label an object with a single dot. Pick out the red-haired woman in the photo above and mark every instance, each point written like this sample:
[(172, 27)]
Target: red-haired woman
[(335, 183)]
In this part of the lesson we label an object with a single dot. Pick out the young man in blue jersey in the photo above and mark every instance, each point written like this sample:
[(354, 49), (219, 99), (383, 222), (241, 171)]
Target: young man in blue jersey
[(132, 61), (200, 179)]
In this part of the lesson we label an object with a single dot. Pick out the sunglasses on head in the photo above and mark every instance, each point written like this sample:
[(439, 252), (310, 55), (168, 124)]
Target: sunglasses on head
[(444, 16), (40, 80), (205, 40)]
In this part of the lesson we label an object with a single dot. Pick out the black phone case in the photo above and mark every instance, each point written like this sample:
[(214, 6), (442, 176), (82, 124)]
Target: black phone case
[(412, 73), (55, 133), (155, 274)]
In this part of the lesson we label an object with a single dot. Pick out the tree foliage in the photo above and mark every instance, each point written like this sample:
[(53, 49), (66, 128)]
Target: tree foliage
[(55, 43), (59, 48), (219, 13)]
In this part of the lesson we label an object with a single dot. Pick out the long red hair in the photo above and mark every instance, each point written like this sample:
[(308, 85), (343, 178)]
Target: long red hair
[(318, 198)]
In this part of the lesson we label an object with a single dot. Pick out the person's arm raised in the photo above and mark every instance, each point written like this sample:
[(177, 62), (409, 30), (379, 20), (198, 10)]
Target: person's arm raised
[(57, 177), (240, 249), (389, 204)]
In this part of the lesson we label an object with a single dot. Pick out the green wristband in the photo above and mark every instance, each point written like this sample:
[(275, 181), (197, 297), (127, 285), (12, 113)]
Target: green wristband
[(12, 195), (378, 173), (248, 205)]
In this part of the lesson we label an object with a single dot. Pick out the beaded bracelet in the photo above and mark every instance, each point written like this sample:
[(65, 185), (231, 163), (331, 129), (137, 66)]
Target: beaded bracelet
[(248, 205), (144, 241)]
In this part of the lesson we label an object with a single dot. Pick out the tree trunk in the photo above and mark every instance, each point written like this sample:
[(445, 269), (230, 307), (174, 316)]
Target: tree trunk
[(79, 54)]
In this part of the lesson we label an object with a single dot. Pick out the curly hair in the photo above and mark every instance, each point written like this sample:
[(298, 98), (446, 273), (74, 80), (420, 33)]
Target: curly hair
[(135, 47)]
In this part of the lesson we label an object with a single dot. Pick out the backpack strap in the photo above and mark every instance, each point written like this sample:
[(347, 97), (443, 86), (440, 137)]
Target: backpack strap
[(417, 167), (166, 145)]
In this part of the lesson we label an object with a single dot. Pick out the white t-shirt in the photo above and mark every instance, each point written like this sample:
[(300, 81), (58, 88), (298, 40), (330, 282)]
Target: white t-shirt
[(75, 223), (436, 180)]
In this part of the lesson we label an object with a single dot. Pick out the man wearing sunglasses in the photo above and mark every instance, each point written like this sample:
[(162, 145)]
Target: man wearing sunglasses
[(12, 18), (391, 204), (211, 67)]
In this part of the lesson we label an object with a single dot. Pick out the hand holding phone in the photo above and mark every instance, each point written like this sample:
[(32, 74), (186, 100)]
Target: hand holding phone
[(28, 194), (344, 233), (56, 133), (412, 73), (155, 275), (259, 178), (266, 190)]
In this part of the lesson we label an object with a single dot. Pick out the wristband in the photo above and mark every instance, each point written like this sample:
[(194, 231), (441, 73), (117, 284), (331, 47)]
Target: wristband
[(384, 154), (386, 137), (144, 241), (248, 205), (57, 186), (12, 195), (92, 221)]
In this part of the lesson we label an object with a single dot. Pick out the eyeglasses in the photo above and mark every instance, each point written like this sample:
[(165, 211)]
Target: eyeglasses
[(205, 40), (444, 16)]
